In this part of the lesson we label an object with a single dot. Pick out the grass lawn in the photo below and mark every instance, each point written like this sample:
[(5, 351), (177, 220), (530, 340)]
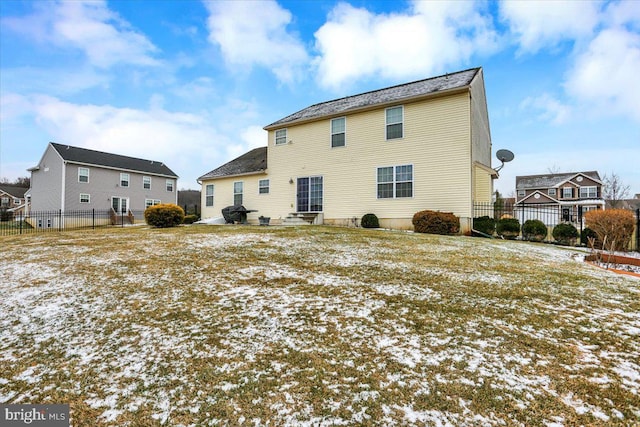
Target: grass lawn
[(315, 326)]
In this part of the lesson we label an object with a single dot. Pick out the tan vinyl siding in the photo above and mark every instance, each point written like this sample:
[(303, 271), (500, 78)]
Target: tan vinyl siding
[(480, 131), (436, 142), (482, 184), (251, 198)]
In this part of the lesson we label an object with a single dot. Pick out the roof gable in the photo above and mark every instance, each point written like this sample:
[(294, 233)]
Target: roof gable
[(552, 180), (115, 161), (255, 161), (388, 95), (14, 190), (538, 197)]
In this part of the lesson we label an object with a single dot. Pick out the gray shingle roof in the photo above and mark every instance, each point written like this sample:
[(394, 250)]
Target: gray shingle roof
[(14, 190), (549, 180), (99, 158), (251, 162), (388, 95)]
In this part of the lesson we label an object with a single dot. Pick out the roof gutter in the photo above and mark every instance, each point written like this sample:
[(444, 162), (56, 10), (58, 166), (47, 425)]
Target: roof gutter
[(205, 178), (447, 92)]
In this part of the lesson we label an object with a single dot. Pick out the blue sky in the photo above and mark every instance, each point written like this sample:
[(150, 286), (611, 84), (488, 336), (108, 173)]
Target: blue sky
[(193, 83)]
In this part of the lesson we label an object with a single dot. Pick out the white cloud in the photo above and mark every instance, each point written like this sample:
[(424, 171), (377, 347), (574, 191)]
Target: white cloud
[(536, 25), (255, 33), (89, 26), (549, 108), (426, 39), (188, 143), (254, 137), (605, 75)]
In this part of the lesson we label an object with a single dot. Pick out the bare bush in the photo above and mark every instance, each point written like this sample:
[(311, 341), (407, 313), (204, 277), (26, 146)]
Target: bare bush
[(614, 227)]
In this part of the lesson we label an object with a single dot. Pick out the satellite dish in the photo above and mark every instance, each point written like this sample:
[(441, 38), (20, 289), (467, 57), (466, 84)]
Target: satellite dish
[(504, 156)]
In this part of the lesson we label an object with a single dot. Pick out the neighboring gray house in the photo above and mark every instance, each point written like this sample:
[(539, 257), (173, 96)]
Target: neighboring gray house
[(71, 178)]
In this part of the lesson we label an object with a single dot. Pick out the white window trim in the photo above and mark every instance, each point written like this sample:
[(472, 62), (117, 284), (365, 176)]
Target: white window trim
[(566, 189), (521, 193), (551, 192), (394, 182), (387, 124), (260, 187), (128, 179), (587, 188), (275, 136), (143, 183), (166, 185), (88, 198), (241, 193), (153, 202), (332, 133), (206, 196), (79, 175)]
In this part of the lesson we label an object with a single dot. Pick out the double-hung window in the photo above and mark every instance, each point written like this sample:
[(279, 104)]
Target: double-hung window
[(552, 192), (124, 180), (83, 174), (567, 193), (338, 131), (395, 182), (588, 192), (394, 120), (208, 197), (281, 136), (146, 182), (169, 185), (151, 202), (263, 186), (85, 198), (237, 192)]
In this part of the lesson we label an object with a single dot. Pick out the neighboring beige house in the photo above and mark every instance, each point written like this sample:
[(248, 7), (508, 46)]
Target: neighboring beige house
[(71, 179), (391, 152), (13, 198), (559, 197)]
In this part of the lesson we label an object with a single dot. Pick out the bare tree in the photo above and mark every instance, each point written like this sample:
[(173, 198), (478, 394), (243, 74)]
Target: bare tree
[(614, 189), (23, 181), (553, 169)]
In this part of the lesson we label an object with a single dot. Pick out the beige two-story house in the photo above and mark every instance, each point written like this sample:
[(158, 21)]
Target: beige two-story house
[(558, 197), (391, 152), (71, 179)]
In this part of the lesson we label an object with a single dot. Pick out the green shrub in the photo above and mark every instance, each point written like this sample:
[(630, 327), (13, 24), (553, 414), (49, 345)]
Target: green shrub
[(589, 233), (534, 230), (369, 221), (565, 234), (190, 219), (164, 215), (484, 224), (508, 228), (435, 222)]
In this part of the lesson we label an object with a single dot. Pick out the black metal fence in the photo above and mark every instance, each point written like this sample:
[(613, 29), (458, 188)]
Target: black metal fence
[(637, 248), (550, 215), (47, 221)]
